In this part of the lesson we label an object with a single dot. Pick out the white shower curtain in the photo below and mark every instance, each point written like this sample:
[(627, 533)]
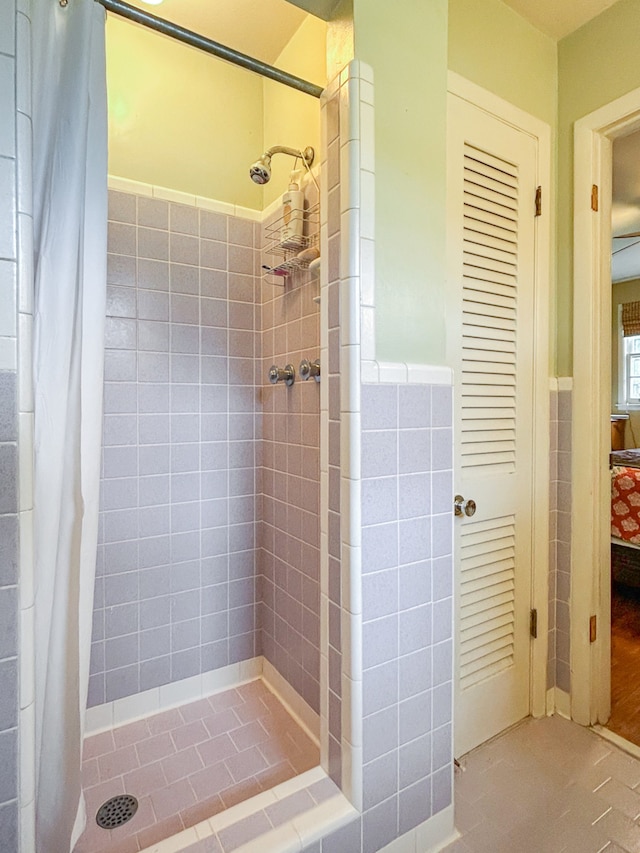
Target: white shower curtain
[(70, 227)]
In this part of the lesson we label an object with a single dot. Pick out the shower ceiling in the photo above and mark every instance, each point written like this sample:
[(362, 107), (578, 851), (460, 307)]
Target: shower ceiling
[(260, 29)]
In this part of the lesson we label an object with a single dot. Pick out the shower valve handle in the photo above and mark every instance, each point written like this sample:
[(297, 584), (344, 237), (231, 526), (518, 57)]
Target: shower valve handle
[(309, 369), (284, 374)]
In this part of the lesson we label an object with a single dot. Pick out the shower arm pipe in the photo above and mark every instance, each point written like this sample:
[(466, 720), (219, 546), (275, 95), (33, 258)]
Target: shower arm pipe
[(167, 28), (292, 152), (306, 156)]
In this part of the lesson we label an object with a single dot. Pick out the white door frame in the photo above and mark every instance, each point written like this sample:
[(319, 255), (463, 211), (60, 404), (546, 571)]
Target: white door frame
[(541, 131), (591, 430)]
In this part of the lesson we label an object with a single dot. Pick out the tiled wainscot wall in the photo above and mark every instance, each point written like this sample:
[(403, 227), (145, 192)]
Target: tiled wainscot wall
[(407, 593), (558, 670)]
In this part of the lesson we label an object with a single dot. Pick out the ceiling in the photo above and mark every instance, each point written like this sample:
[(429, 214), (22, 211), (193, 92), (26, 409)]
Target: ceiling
[(625, 211), (263, 28), (558, 18), (260, 29)]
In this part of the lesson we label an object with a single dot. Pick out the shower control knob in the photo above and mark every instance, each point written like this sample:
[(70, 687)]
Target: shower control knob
[(284, 374), (309, 369)]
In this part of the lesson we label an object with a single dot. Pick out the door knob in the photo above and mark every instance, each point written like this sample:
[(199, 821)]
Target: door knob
[(462, 507)]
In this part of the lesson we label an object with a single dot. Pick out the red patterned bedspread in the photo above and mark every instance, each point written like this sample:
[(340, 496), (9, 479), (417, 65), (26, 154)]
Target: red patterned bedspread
[(625, 504)]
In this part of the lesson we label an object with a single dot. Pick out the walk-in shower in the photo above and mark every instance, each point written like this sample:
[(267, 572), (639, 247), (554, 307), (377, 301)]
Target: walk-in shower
[(205, 668)]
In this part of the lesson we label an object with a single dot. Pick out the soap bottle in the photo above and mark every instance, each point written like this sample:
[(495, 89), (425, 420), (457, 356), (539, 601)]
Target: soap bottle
[(292, 213)]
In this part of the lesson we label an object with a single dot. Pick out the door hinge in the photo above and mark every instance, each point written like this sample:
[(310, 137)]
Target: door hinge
[(593, 629), (594, 198), (539, 201), (533, 624)]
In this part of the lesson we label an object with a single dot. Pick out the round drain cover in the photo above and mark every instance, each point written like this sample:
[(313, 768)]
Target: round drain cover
[(116, 811)]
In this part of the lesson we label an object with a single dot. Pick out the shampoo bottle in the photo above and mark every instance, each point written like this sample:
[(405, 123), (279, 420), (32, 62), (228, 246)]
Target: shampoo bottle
[(292, 213)]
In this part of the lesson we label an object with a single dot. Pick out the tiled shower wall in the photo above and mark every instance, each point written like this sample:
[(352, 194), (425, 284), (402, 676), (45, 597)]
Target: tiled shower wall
[(558, 669), (17, 787), (289, 557), (333, 644), (8, 594), (176, 575)]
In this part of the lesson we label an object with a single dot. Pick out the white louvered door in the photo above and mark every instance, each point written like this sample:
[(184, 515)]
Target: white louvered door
[(491, 251)]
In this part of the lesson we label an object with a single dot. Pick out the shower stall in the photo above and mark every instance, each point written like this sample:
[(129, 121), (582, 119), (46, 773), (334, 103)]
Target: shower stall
[(208, 555), (273, 560), (204, 684)]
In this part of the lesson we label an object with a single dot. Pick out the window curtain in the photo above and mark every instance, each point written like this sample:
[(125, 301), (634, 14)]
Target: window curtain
[(630, 319), (70, 245)]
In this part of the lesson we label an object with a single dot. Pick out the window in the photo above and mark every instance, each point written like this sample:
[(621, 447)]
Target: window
[(632, 370)]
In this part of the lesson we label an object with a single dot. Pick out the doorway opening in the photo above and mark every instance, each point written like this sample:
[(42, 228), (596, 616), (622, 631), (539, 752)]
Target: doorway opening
[(625, 439), (603, 600)]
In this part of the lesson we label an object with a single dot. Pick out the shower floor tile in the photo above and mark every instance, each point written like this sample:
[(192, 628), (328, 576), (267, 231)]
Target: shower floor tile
[(190, 763)]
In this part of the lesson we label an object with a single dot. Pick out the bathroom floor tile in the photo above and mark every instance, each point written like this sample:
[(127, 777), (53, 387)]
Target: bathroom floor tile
[(547, 786), (190, 763)]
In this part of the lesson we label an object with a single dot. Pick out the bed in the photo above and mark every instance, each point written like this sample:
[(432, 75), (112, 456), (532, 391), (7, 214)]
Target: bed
[(625, 517)]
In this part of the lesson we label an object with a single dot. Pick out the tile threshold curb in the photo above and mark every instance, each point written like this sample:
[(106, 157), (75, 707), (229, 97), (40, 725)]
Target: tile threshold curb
[(291, 836)]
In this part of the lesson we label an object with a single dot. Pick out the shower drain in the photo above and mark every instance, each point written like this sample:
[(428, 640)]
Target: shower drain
[(116, 811)]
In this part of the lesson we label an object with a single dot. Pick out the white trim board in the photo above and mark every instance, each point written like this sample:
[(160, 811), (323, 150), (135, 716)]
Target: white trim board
[(290, 837), (591, 436), (126, 185), (560, 383), (433, 835), (375, 372), (110, 715), (490, 103)]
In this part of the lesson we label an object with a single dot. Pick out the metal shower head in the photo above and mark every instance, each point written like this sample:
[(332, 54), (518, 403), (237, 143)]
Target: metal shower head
[(260, 171)]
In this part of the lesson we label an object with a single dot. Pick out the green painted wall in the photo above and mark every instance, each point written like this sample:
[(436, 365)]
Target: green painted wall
[(405, 42), (410, 46), (596, 64), (494, 47), (497, 49)]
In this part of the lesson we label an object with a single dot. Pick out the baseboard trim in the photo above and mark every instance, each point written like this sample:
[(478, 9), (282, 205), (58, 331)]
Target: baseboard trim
[(131, 708), (562, 703), (102, 718)]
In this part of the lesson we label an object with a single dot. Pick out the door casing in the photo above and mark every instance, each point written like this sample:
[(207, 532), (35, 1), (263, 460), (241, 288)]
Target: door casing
[(526, 123), (591, 433)]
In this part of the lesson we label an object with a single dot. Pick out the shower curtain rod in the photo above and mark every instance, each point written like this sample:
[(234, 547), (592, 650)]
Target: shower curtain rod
[(174, 31)]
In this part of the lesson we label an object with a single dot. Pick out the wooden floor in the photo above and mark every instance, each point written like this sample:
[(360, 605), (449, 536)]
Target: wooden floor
[(625, 663)]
